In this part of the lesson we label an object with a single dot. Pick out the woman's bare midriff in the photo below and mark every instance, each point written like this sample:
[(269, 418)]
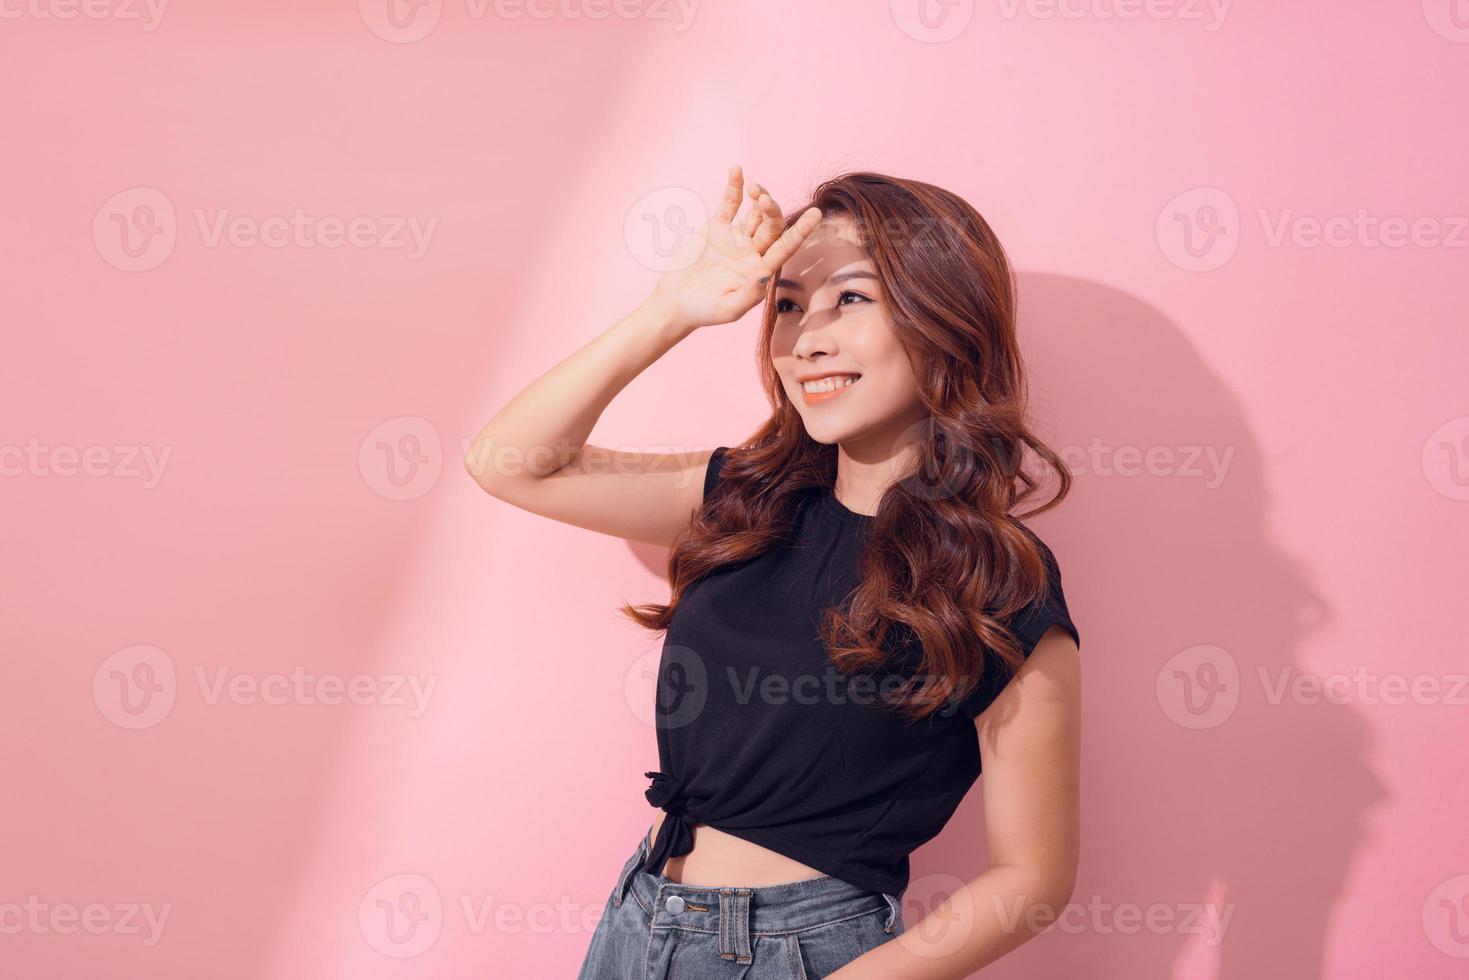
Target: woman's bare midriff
[(719, 858)]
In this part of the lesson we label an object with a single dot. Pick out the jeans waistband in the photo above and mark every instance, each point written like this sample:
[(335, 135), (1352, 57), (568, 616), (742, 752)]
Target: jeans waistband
[(735, 913)]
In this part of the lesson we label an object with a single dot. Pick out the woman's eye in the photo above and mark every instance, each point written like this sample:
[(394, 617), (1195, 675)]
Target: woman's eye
[(781, 307)]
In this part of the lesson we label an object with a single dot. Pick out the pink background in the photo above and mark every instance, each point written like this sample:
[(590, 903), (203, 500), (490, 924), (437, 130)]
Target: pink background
[(312, 515)]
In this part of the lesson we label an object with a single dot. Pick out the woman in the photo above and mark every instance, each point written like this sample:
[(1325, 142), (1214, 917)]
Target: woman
[(856, 616)]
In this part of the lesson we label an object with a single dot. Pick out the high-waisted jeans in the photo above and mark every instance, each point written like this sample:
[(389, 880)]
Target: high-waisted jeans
[(656, 929)]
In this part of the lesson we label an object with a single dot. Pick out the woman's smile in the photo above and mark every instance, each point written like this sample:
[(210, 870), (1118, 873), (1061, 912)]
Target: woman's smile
[(825, 387)]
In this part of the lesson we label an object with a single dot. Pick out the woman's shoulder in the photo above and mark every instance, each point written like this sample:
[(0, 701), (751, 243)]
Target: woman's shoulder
[(1048, 609)]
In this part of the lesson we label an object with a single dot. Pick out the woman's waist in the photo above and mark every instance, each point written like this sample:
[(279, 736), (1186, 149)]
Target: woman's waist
[(720, 858), (783, 896)]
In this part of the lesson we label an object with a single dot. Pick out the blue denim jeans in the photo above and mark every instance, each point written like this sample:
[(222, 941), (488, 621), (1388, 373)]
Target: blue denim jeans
[(656, 929)]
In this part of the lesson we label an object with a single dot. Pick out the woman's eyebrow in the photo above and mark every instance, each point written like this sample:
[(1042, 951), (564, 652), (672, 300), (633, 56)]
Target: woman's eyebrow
[(835, 277)]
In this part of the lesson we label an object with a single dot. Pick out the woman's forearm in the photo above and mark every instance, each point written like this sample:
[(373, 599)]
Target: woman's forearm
[(544, 426), (987, 918)]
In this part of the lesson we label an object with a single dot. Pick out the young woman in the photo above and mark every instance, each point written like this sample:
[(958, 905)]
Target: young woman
[(857, 617)]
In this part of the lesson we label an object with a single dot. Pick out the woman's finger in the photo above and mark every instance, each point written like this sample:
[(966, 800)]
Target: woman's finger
[(785, 246), (772, 223), (752, 216), (733, 191)]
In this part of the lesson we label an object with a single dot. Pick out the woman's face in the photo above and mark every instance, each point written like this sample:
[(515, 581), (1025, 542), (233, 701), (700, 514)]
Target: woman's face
[(832, 324)]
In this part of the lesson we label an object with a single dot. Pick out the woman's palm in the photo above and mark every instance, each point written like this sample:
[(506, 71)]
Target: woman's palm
[(720, 271)]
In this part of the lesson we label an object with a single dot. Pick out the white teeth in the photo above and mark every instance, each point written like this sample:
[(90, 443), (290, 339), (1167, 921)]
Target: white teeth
[(828, 384)]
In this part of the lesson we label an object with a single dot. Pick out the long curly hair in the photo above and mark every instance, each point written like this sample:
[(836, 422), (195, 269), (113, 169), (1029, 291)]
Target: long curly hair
[(947, 564)]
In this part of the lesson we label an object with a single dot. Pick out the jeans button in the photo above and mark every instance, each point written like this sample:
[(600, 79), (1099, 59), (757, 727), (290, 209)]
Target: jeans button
[(674, 905)]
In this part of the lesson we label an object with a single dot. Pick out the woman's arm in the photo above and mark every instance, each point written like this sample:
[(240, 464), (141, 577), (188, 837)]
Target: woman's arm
[(1030, 741), (533, 453)]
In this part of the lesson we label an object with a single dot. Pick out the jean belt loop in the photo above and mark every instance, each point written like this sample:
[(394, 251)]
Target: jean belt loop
[(734, 924)]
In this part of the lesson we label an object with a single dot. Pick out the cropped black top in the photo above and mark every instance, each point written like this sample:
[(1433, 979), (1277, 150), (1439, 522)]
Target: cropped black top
[(762, 737)]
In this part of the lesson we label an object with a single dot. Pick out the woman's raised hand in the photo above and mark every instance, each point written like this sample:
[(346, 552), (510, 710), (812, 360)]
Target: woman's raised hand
[(721, 270)]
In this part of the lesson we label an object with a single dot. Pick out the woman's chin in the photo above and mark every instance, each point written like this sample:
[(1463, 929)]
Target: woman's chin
[(828, 433)]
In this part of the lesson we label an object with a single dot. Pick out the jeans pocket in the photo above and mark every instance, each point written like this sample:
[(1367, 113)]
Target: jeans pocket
[(629, 868), (893, 920), (825, 949)]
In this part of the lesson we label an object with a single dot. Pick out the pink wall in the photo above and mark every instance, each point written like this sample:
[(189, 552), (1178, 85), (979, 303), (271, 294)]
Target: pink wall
[(198, 426)]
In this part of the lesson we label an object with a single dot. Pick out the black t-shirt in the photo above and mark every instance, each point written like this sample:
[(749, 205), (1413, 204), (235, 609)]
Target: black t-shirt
[(761, 736)]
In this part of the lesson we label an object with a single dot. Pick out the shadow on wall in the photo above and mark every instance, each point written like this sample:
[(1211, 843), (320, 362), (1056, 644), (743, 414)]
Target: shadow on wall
[(1220, 815)]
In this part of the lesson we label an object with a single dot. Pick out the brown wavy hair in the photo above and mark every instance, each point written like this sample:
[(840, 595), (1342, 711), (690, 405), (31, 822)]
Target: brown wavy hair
[(947, 564)]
